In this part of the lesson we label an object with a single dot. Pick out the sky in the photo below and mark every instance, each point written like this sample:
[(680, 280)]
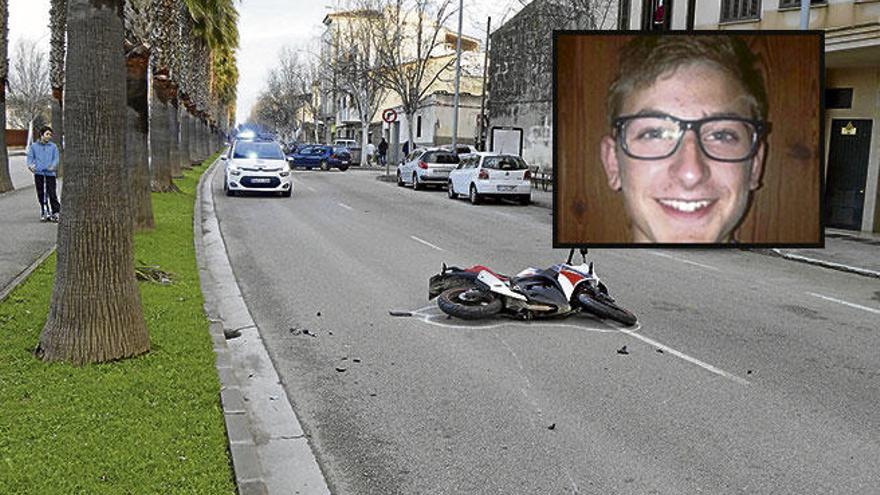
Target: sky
[(265, 26)]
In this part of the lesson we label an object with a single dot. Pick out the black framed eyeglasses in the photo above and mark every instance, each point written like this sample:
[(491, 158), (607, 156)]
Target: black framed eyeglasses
[(658, 136)]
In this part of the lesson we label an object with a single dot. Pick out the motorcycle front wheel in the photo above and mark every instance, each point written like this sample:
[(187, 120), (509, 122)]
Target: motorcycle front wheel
[(469, 303), (603, 306)]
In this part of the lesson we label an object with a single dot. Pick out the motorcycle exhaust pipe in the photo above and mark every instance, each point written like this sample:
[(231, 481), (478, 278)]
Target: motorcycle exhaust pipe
[(540, 307)]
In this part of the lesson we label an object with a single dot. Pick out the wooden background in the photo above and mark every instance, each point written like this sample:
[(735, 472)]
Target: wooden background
[(786, 208)]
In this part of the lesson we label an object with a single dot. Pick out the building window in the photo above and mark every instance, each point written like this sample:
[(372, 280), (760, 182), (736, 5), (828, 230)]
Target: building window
[(785, 4), (740, 10), (838, 98), (419, 126)]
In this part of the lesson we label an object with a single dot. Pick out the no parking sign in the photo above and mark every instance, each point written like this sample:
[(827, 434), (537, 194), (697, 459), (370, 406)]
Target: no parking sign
[(389, 115)]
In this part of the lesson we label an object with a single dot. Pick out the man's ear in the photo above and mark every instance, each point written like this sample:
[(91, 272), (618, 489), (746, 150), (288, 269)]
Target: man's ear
[(608, 154), (757, 167)]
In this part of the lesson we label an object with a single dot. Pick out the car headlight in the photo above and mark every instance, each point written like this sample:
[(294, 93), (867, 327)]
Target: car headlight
[(234, 171), (284, 173)]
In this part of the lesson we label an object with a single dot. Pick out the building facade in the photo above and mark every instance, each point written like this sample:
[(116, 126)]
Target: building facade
[(520, 85), (852, 85)]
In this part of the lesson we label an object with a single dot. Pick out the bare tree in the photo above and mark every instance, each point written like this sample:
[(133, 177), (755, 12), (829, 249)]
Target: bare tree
[(290, 96), (30, 93), (581, 14), (408, 42), (356, 64)]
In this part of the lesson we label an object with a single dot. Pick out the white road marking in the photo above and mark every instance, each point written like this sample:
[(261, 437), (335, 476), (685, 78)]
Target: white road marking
[(666, 348), (345, 206), (426, 243), (845, 303), (433, 316), (664, 255)]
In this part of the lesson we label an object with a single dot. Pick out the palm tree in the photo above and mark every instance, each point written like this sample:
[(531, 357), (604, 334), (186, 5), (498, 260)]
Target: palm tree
[(5, 178), (138, 25), (95, 313), (57, 25), (162, 15)]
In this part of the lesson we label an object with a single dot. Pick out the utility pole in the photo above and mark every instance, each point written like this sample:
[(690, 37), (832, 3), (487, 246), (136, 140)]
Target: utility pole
[(483, 96), (457, 76), (805, 14)]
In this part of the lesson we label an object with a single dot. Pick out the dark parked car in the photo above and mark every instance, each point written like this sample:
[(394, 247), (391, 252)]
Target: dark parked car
[(321, 155)]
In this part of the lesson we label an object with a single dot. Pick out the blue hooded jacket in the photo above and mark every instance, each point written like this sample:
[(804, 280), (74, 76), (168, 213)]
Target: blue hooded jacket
[(44, 157)]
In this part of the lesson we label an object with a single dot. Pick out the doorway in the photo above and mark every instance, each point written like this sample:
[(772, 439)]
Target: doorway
[(847, 172)]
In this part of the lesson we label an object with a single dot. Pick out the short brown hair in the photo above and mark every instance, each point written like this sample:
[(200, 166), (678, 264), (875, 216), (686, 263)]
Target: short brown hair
[(646, 58)]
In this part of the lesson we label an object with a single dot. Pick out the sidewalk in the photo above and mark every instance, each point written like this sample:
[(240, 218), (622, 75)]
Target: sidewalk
[(25, 241)]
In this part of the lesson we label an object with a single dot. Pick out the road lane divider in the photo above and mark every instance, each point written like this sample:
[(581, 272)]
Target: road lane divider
[(426, 243), (846, 303), (343, 205), (689, 262), (681, 355)]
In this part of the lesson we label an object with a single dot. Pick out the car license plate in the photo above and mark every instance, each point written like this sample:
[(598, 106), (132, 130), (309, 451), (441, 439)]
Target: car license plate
[(506, 188), (261, 181), (345, 162)]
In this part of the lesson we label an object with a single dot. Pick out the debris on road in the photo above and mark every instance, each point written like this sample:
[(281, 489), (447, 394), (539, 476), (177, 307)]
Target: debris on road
[(399, 313), (552, 426), (622, 350), (318, 313), (341, 369), (660, 351)]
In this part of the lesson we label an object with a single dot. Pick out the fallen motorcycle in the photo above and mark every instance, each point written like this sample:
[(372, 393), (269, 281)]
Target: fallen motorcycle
[(561, 290)]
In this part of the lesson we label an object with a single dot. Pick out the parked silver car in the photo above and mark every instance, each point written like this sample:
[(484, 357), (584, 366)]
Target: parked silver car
[(426, 166)]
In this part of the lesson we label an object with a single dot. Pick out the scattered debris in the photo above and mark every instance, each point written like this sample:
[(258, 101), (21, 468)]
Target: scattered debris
[(399, 313), (660, 351), (231, 333), (341, 369), (344, 358), (318, 313), (273, 397), (356, 360), (749, 372), (330, 333), (308, 332), (294, 331), (622, 350), (552, 426), (373, 394), (152, 273)]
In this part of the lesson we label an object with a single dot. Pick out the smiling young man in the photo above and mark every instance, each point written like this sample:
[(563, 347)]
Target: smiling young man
[(685, 148)]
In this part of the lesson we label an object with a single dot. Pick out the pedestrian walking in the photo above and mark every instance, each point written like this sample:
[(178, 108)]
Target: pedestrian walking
[(405, 149), (371, 152), (383, 151), (42, 161)]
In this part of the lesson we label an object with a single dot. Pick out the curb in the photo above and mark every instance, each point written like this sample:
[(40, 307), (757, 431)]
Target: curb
[(270, 452), (827, 264), (21, 277)]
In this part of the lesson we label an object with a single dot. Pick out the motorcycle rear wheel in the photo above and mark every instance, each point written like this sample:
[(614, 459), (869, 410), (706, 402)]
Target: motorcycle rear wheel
[(603, 306), (469, 303)]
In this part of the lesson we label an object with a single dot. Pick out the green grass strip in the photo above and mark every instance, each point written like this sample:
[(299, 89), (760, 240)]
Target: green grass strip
[(152, 424)]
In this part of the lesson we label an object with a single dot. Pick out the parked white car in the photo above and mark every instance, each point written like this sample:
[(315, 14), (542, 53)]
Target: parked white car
[(491, 175), (463, 150), (257, 166), (426, 166)]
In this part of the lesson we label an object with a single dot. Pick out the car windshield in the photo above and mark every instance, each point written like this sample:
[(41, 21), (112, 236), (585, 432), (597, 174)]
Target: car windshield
[(440, 157), (505, 163), (340, 149), (266, 151)]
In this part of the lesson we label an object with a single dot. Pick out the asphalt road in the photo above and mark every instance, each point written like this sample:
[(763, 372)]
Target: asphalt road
[(748, 373)]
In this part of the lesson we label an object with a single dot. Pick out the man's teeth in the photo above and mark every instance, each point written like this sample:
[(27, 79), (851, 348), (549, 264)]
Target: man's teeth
[(685, 206)]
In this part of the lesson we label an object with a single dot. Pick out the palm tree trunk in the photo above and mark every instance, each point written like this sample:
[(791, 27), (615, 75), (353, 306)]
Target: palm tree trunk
[(95, 312), (136, 139), (184, 137), (57, 25), (174, 136), (5, 177), (194, 140), (160, 149)]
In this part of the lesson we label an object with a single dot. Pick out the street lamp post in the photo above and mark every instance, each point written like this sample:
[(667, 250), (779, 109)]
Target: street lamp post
[(457, 76)]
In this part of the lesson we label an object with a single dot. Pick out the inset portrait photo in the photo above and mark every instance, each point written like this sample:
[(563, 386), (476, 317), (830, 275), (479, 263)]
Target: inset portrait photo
[(690, 139)]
